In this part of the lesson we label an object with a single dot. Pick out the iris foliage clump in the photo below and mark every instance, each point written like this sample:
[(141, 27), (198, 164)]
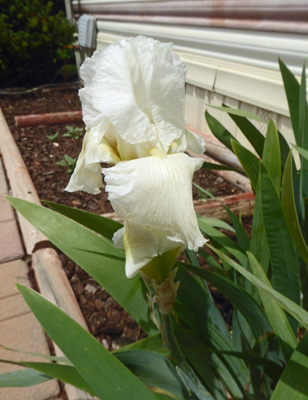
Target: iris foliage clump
[(190, 352)]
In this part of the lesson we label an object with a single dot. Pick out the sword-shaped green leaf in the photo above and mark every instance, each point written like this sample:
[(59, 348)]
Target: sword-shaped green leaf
[(95, 254), (289, 209), (108, 378), (219, 131), (293, 382)]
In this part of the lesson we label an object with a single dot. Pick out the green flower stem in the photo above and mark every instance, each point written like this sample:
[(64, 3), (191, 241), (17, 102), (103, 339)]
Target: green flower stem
[(169, 338), (161, 296)]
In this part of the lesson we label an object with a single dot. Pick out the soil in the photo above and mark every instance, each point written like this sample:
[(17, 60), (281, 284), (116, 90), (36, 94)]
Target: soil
[(41, 148)]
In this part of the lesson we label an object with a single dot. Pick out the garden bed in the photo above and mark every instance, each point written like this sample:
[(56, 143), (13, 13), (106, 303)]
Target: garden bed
[(42, 148)]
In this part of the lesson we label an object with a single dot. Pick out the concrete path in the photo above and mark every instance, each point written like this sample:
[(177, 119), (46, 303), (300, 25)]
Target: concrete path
[(18, 327)]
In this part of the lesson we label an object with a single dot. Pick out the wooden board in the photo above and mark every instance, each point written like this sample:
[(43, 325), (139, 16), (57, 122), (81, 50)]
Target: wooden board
[(49, 273), (48, 119)]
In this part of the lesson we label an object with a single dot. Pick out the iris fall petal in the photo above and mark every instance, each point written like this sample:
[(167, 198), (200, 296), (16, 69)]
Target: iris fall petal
[(157, 192), (142, 244)]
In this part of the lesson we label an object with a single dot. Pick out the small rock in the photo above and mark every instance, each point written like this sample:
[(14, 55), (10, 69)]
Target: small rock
[(118, 343), (110, 301), (75, 278), (105, 344), (83, 299), (219, 180), (99, 304), (115, 315), (78, 287), (90, 288)]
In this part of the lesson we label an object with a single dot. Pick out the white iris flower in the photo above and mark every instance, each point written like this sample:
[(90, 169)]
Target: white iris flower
[(133, 108)]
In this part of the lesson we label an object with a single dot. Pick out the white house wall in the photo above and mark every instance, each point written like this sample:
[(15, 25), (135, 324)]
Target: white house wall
[(238, 67)]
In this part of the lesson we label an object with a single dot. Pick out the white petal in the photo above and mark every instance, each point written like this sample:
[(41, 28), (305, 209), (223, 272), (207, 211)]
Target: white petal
[(195, 142), (157, 192), (178, 145), (87, 178), (97, 152), (87, 175), (142, 244), (118, 239), (138, 86)]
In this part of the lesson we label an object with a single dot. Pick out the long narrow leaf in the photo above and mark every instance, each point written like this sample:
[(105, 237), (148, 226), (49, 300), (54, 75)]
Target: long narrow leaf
[(275, 313), (151, 343), (238, 112), (63, 360), (219, 167), (292, 89), (249, 162), (284, 148), (155, 371), (214, 222), (303, 126), (223, 241), (65, 373), (210, 365), (219, 131), (271, 158), (22, 378), (270, 368), (191, 293), (238, 296), (293, 382), (206, 322), (303, 152), (252, 134), (289, 209), (104, 226), (95, 254), (283, 255), (211, 261), (258, 243), (288, 305), (241, 234), (107, 377)]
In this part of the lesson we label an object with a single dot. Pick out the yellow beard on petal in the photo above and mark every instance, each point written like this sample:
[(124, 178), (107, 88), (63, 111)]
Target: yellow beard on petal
[(157, 152)]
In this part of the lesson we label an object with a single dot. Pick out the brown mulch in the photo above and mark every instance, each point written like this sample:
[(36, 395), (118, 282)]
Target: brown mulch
[(105, 318)]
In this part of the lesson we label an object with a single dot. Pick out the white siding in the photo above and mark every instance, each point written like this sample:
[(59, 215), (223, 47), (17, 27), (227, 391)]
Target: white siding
[(238, 67)]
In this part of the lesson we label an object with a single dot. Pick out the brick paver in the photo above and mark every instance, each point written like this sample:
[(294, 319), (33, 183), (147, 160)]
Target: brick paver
[(13, 306), (25, 334), (6, 211), (10, 243), (11, 273)]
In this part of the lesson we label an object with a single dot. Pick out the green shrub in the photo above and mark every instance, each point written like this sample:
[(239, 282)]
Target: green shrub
[(34, 42)]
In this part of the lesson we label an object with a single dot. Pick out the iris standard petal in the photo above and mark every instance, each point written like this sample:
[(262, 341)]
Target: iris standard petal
[(156, 191), (138, 86)]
